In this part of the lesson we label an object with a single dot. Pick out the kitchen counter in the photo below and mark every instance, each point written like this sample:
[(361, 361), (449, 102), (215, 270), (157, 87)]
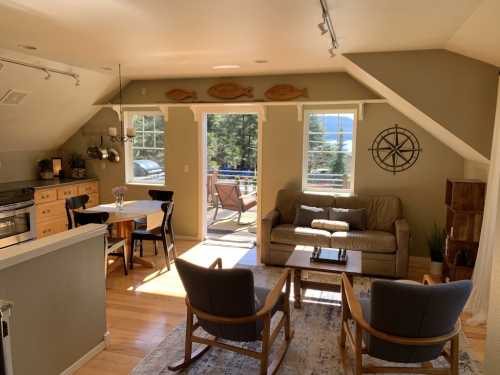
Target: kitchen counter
[(42, 184)]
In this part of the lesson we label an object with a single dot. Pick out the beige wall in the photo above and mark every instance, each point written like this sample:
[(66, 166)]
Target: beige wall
[(421, 188), (21, 165), (59, 307), (456, 91)]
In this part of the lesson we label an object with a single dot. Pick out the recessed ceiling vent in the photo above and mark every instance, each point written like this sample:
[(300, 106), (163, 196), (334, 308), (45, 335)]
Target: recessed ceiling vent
[(13, 97)]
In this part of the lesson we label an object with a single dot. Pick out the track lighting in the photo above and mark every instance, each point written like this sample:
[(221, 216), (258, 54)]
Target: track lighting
[(48, 74), (323, 28), (327, 27), (76, 77)]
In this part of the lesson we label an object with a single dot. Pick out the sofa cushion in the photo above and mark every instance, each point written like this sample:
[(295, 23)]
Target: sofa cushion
[(330, 225), (368, 240), (382, 211), (306, 214), (292, 235), (288, 200), (356, 217)]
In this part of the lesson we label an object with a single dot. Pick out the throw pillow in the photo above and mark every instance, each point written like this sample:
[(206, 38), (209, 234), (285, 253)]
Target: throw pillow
[(306, 214), (331, 225), (356, 217)]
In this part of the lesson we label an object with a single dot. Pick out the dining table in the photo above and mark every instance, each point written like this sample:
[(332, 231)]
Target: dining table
[(123, 218)]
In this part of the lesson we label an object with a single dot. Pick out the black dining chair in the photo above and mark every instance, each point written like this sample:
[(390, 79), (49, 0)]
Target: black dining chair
[(162, 233), (113, 244), (156, 195), (72, 204)]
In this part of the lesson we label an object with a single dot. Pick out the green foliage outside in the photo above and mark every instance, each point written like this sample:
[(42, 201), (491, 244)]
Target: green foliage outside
[(232, 141)]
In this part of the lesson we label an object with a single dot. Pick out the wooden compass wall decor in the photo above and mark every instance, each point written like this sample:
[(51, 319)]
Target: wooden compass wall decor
[(395, 149)]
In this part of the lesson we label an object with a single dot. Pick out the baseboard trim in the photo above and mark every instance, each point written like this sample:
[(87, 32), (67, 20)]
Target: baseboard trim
[(87, 357)]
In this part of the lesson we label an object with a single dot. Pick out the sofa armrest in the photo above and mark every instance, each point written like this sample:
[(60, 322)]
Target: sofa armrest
[(402, 232), (268, 222)]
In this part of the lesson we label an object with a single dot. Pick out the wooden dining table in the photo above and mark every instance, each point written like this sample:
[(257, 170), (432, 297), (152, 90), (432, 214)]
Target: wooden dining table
[(124, 217)]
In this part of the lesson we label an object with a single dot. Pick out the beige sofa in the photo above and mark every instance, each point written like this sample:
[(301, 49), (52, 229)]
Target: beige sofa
[(384, 245)]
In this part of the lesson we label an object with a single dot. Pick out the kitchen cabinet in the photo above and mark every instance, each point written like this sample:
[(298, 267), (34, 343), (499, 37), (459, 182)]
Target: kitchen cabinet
[(50, 216)]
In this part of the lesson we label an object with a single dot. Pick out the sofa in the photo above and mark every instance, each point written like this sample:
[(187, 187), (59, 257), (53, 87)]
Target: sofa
[(384, 243)]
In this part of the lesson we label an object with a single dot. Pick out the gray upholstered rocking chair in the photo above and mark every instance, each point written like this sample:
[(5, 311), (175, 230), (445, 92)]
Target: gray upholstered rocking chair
[(404, 323), (229, 307)]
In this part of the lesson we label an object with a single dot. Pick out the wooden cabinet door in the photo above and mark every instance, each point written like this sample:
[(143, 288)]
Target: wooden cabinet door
[(66, 192), (45, 195), (87, 188), (51, 227), (51, 210), (93, 200)]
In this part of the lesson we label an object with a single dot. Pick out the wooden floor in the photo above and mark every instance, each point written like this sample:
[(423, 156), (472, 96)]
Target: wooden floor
[(145, 305)]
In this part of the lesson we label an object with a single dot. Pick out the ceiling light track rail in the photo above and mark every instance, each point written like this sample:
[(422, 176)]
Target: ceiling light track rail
[(327, 27), (43, 69)]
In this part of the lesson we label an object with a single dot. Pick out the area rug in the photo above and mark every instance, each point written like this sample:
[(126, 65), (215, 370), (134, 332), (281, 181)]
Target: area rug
[(314, 349)]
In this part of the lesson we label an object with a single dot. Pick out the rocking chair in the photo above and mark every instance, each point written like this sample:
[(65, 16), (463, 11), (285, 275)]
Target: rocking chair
[(229, 307)]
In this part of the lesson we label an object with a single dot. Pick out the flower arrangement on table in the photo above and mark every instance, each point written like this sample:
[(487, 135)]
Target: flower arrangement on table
[(119, 194)]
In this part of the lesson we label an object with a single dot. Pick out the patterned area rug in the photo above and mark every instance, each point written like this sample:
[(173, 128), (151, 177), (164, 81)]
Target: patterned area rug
[(313, 351)]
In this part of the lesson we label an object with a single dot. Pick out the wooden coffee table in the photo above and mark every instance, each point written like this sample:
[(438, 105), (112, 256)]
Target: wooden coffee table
[(300, 261)]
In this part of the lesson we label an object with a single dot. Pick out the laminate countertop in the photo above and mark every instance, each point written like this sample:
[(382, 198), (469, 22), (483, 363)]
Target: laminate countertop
[(43, 184)]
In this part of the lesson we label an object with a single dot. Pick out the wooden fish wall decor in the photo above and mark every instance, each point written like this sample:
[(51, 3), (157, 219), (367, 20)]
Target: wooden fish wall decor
[(229, 90), (285, 92), (180, 94)]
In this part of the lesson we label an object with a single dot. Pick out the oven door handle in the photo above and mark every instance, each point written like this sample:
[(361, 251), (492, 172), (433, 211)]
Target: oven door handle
[(12, 208)]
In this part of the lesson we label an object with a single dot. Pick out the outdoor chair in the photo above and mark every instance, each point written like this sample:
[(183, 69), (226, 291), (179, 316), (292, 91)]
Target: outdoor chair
[(229, 307), (405, 323), (229, 197)]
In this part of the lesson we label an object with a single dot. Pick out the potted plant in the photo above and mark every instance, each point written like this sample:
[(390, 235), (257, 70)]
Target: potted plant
[(77, 164), (45, 169), (436, 242)]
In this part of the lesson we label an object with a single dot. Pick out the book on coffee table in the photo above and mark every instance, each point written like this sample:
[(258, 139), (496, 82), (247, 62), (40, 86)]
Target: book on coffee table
[(329, 255)]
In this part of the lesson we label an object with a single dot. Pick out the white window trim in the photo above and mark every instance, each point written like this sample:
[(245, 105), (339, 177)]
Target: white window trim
[(305, 148), (129, 173)]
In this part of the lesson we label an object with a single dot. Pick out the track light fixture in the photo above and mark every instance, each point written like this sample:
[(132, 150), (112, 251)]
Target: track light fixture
[(323, 28), (327, 27), (48, 74), (76, 77)]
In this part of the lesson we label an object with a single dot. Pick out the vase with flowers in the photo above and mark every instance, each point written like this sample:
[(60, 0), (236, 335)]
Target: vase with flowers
[(119, 194)]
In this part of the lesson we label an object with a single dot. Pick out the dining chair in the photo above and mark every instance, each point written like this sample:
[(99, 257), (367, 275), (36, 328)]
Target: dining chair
[(405, 323), (113, 244), (156, 195), (228, 306), (229, 197), (163, 233), (72, 204)]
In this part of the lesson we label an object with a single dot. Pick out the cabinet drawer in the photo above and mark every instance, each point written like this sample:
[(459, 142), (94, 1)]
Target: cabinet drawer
[(49, 228), (93, 200), (45, 195), (66, 192), (87, 188), (52, 210)]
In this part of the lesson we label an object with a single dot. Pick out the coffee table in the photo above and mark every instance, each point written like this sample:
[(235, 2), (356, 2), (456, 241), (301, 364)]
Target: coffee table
[(300, 261)]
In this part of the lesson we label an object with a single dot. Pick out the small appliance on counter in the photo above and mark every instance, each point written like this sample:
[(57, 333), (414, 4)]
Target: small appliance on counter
[(17, 214), (5, 335)]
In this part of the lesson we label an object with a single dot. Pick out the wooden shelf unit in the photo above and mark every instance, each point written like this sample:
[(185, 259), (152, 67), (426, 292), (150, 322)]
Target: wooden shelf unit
[(464, 215)]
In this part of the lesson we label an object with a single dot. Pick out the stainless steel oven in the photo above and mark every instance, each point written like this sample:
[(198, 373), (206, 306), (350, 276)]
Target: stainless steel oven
[(17, 217)]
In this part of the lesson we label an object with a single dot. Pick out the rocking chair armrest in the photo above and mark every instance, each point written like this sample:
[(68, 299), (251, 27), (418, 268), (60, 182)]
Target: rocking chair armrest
[(216, 263), (352, 303), (275, 294)]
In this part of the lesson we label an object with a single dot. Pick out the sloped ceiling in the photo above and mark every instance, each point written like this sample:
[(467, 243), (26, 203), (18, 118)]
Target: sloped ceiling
[(53, 109)]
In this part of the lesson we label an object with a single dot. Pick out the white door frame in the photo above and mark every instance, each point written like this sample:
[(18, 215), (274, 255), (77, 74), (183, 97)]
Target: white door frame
[(200, 116)]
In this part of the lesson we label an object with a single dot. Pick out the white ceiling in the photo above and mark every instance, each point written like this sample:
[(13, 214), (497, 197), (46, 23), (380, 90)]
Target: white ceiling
[(174, 38)]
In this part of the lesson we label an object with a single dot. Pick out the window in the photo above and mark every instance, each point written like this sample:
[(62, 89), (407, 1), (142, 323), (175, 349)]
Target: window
[(329, 140), (145, 156)]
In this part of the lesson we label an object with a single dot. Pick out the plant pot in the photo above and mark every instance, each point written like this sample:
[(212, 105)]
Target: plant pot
[(47, 175), (436, 268)]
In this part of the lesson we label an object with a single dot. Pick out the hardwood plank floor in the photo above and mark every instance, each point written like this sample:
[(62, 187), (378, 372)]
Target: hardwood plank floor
[(144, 306)]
